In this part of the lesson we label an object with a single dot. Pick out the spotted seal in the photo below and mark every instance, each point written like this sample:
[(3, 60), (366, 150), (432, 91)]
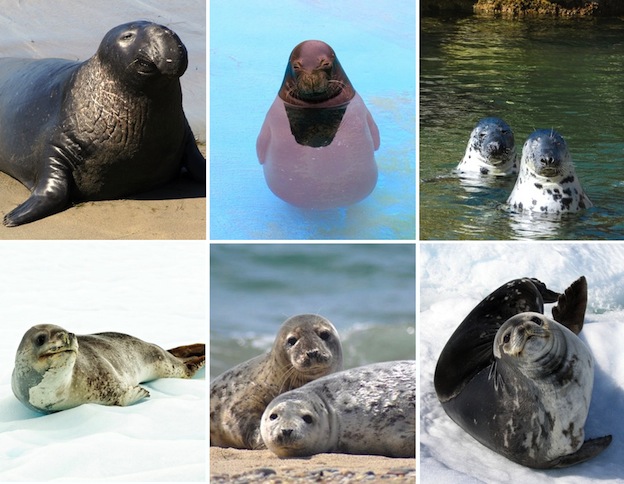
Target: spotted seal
[(365, 410), (316, 145), (547, 182), (491, 150), (306, 347), (56, 370), (518, 382), (105, 128)]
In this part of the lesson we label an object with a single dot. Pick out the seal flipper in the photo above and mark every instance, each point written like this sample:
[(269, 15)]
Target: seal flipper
[(132, 396), (590, 449), (192, 159), (571, 306), (192, 356), (50, 195)]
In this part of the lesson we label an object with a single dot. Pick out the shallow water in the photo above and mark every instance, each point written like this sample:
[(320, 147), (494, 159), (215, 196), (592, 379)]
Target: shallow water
[(366, 291), (248, 55), (533, 73)]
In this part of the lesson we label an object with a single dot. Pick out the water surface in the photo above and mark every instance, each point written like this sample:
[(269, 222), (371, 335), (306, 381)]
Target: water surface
[(534, 73)]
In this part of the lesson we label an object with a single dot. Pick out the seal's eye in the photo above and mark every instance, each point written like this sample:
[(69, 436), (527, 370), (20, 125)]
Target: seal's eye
[(324, 335), (537, 320), (273, 416), (291, 341), (127, 36), (307, 419), (507, 338), (40, 340)]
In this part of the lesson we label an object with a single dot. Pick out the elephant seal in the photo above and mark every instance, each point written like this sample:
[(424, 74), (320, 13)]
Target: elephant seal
[(307, 347), (547, 182), (365, 410), (519, 382), (56, 370), (491, 150), (105, 128), (317, 142)]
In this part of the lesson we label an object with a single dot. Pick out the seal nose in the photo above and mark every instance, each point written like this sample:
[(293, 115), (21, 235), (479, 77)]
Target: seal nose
[(313, 354), (286, 432)]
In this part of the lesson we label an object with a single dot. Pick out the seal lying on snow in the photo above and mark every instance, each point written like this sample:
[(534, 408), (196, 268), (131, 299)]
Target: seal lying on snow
[(105, 128), (547, 181), (519, 382), (56, 370), (365, 410), (306, 347), (317, 143), (491, 150)]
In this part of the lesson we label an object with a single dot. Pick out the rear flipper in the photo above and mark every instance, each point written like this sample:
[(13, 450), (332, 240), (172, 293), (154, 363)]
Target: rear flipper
[(193, 356), (571, 306), (590, 449)]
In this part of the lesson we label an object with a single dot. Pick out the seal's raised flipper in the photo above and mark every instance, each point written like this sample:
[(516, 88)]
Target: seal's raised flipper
[(49, 196), (193, 356), (590, 449), (547, 295), (571, 306)]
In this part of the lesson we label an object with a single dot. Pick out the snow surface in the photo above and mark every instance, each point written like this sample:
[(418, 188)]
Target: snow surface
[(153, 290), (455, 278)]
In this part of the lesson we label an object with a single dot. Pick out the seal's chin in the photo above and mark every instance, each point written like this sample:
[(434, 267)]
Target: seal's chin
[(549, 172)]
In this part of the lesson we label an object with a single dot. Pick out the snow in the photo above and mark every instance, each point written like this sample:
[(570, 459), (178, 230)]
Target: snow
[(453, 279), (155, 291)]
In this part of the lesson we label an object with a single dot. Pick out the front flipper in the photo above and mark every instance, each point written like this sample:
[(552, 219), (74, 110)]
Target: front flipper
[(590, 449), (132, 396), (50, 195)]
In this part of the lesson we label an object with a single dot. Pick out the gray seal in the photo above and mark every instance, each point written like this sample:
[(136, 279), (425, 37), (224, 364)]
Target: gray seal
[(547, 182), (105, 128), (306, 347), (518, 382), (56, 370), (491, 150), (365, 410)]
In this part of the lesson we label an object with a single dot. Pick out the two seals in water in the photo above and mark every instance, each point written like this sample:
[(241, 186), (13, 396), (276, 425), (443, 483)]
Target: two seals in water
[(57, 370), (104, 128), (519, 382), (365, 410), (317, 143), (306, 347)]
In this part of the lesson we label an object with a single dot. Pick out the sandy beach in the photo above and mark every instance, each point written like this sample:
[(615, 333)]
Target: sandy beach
[(174, 211), (233, 465)]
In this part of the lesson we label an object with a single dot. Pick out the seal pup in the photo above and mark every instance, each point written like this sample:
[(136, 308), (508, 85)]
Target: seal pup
[(365, 410), (547, 182), (518, 382), (56, 370), (316, 145), (307, 347), (105, 128), (491, 150)]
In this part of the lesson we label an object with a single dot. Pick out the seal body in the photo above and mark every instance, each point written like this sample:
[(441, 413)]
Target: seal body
[(104, 128), (491, 150), (317, 142), (547, 182), (365, 410), (518, 382), (306, 347), (57, 370)]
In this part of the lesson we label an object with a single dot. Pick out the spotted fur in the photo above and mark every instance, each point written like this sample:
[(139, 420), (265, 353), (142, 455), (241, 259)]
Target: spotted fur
[(547, 182), (491, 150)]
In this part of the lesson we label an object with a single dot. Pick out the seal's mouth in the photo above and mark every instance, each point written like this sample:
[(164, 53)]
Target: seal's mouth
[(145, 66)]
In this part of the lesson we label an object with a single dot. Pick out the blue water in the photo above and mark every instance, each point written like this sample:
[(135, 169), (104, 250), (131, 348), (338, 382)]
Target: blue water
[(534, 73), (366, 290), (250, 43)]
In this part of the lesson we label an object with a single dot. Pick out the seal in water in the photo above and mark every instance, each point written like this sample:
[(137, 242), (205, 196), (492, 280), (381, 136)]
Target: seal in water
[(104, 128), (307, 347), (57, 370), (317, 143), (547, 182), (365, 410), (491, 150), (519, 382)]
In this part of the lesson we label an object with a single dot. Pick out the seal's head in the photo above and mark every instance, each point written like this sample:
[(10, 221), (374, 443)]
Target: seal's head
[(143, 51), (315, 78), (546, 153), (493, 139), (309, 346)]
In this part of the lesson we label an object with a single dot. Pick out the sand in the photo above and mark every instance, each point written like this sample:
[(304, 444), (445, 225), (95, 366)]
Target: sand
[(233, 465), (174, 211)]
